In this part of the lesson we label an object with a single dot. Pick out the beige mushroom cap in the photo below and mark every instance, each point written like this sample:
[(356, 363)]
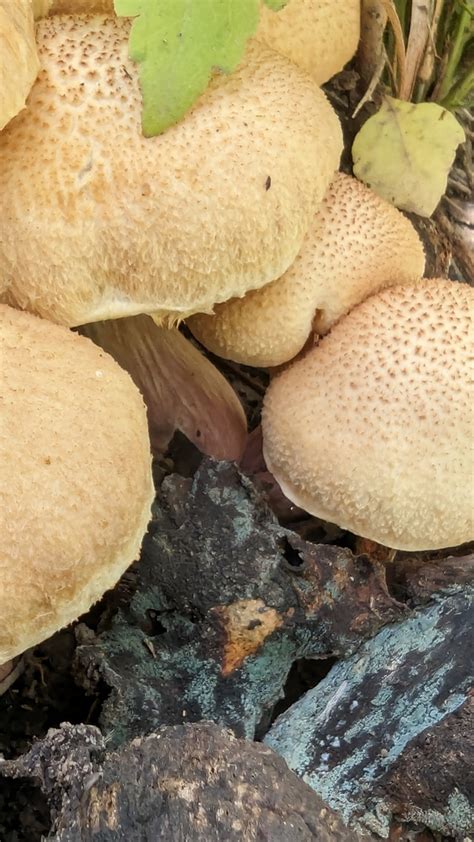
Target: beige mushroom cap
[(75, 477), (100, 222), (373, 429), (320, 36), (357, 244), (19, 62)]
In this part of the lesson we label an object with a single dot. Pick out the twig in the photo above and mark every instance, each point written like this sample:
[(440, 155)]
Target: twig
[(373, 83), (462, 255), (372, 28), (462, 212), (9, 673), (458, 185), (427, 68), (417, 41), (399, 42)]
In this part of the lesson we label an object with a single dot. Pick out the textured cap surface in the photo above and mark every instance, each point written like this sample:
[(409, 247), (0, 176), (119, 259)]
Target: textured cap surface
[(100, 222), (75, 477), (357, 244), (318, 35), (374, 428), (19, 62)]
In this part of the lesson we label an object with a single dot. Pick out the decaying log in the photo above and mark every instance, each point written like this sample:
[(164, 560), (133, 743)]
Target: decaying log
[(188, 783), (434, 775), (225, 601), (389, 732), (418, 580)]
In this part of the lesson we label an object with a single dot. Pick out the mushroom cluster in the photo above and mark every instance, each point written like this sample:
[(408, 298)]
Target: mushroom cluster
[(99, 223), (236, 219), (118, 224)]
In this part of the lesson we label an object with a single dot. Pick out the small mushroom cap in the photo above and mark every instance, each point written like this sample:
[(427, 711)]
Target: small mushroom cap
[(357, 244), (100, 222), (19, 62), (373, 429), (320, 36), (75, 477)]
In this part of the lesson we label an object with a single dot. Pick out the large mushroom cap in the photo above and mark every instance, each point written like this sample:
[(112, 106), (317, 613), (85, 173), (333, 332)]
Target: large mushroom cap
[(357, 244), (19, 62), (318, 35), (373, 429), (100, 222), (75, 477)]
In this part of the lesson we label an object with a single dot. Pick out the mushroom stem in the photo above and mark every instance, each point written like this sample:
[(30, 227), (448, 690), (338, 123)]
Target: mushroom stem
[(181, 388)]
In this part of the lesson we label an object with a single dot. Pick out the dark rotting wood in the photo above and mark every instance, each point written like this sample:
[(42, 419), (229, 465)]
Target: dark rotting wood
[(188, 783)]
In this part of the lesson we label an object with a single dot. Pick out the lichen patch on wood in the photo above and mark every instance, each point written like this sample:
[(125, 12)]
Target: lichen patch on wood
[(354, 737), (214, 565)]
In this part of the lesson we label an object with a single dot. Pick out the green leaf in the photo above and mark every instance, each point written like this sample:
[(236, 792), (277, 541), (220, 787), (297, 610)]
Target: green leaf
[(405, 151), (276, 5), (178, 43)]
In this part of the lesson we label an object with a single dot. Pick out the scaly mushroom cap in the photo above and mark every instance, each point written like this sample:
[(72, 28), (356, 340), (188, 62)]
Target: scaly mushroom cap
[(19, 62), (320, 36), (101, 222), (75, 477), (373, 428), (357, 245)]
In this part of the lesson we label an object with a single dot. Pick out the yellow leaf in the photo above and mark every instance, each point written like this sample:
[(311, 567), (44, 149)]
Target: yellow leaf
[(405, 151)]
